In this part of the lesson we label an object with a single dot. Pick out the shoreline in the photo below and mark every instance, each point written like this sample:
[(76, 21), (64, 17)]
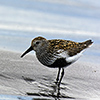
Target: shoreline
[(20, 76)]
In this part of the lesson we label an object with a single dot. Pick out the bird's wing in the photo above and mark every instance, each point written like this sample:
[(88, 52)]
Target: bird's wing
[(71, 48), (69, 59)]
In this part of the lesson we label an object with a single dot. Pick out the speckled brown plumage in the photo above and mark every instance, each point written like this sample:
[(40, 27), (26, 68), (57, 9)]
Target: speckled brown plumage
[(72, 47)]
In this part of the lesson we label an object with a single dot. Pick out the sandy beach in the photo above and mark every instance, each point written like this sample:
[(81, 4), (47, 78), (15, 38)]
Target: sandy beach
[(27, 76), (23, 20)]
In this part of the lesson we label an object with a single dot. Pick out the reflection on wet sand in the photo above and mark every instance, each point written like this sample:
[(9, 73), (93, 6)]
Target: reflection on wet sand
[(51, 90)]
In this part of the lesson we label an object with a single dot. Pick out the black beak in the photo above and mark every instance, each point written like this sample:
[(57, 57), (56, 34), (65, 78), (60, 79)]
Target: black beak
[(28, 50)]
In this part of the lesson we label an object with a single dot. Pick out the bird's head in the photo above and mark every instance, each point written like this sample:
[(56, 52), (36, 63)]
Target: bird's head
[(36, 44)]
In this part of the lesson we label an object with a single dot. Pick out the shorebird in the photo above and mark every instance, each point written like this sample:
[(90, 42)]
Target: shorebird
[(57, 53)]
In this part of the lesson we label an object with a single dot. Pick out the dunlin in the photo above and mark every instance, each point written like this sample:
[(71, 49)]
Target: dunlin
[(57, 53)]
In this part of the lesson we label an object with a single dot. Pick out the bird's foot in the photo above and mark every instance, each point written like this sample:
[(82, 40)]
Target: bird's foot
[(58, 93), (56, 82)]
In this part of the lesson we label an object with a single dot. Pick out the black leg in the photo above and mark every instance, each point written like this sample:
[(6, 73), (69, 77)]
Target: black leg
[(62, 74), (57, 79)]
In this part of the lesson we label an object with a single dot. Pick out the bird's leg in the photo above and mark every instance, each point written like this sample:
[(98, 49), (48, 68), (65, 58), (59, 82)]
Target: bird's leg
[(62, 74), (57, 79)]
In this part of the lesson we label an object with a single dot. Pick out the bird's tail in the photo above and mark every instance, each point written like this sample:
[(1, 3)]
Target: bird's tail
[(88, 43)]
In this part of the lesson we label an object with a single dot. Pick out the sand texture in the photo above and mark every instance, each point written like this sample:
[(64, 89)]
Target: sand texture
[(27, 76)]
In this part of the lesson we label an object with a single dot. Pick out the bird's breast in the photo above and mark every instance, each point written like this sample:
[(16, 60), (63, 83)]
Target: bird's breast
[(52, 61), (46, 58)]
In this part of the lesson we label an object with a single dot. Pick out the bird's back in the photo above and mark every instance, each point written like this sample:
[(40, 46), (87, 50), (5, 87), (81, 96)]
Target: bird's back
[(71, 47)]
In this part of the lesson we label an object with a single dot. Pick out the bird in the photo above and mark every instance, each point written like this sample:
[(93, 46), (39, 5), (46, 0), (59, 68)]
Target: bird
[(57, 53)]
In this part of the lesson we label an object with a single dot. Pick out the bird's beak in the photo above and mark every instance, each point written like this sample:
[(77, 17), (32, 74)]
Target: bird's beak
[(27, 51)]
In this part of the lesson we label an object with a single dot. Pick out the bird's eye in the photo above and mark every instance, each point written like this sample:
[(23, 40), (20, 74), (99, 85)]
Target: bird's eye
[(37, 42)]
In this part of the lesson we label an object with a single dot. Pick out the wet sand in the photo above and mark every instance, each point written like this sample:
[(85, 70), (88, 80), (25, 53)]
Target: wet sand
[(27, 77)]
